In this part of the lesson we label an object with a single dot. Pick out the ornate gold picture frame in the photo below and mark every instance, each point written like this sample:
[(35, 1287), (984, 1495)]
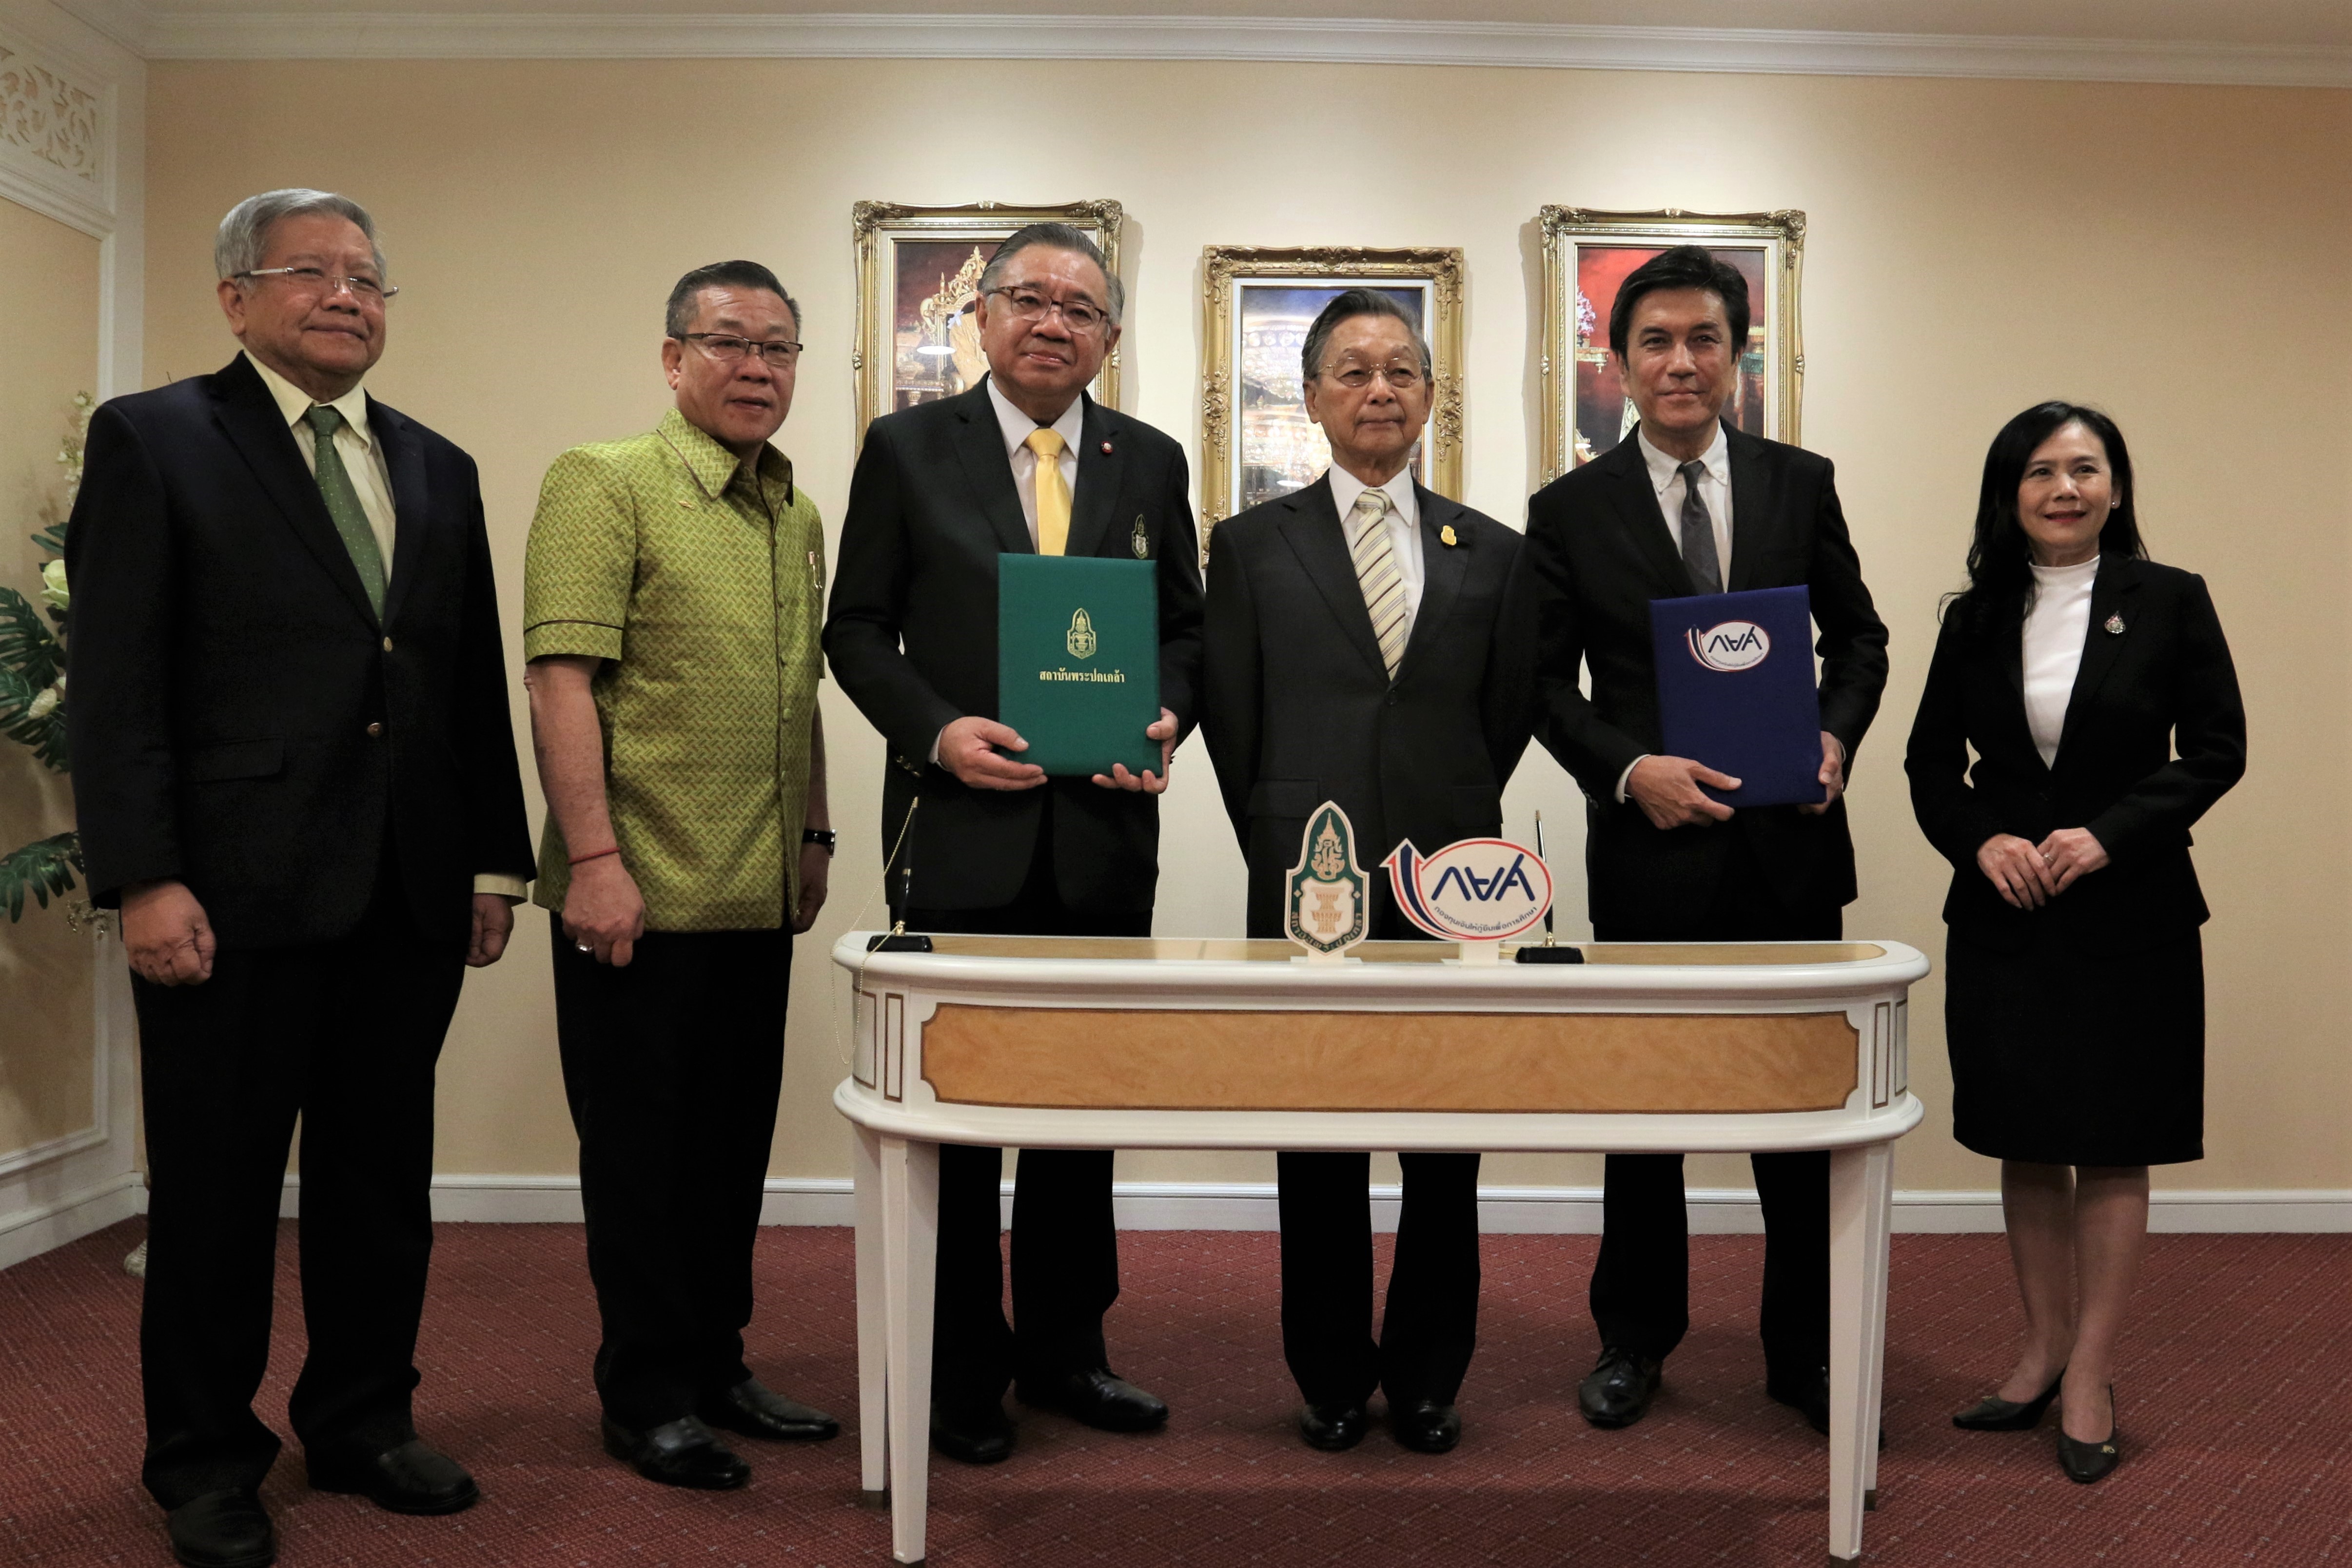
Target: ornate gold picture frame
[(1256, 305), (918, 276), (1587, 254)]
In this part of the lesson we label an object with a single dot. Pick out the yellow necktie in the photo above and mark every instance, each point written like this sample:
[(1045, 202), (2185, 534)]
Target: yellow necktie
[(1053, 493)]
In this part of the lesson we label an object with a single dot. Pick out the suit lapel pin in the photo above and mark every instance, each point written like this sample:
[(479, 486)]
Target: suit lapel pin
[(1446, 536), (1105, 449), (2114, 626), (1142, 541)]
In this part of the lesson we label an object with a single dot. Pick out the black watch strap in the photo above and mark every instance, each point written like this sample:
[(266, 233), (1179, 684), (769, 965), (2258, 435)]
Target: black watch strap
[(824, 835)]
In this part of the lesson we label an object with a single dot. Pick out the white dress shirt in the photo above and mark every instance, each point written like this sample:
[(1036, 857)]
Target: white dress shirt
[(363, 454), (362, 457), (2055, 629), (1016, 427), (1714, 488), (1403, 525)]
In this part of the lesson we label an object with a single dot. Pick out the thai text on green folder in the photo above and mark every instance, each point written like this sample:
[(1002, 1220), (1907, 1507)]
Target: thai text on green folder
[(1078, 660)]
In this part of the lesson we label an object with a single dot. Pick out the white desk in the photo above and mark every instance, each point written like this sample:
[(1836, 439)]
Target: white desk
[(1040, 1042)]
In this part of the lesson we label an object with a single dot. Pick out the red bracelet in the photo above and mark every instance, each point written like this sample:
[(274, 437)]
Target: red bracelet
[(599, 854)]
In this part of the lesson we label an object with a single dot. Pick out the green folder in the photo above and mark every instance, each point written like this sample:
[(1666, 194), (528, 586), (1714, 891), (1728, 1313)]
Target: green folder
[(1078, 660)]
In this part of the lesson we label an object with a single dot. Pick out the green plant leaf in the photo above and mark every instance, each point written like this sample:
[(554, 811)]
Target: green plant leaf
[(42, 868), (27, 646), (52, 538)]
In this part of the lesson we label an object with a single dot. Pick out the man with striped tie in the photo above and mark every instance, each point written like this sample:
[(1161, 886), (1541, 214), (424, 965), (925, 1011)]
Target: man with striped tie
[(1025, 462), (1373, 643)]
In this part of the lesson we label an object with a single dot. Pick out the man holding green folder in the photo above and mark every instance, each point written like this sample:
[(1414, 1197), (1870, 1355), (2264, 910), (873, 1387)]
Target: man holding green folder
[(1026, 463)]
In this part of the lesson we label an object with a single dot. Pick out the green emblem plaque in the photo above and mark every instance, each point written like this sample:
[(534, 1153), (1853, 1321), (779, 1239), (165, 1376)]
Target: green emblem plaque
[(1327, 907)]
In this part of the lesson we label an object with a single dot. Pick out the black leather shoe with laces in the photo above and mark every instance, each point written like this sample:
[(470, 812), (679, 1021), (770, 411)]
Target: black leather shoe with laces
[(1618, 1390)]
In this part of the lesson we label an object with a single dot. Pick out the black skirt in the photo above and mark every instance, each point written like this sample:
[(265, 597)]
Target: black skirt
[(2069, 1060)]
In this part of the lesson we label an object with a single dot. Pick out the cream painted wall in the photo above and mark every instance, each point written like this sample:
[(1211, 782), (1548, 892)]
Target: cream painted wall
[(48, 345), (1974, 246)]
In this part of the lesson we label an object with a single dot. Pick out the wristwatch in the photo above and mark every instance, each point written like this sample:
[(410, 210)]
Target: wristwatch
[(826, 837)]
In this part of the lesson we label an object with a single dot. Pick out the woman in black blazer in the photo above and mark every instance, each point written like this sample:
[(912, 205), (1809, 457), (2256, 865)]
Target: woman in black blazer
[(2098, 693)]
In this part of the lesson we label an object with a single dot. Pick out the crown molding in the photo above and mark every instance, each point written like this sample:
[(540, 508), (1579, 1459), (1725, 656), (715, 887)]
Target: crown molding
[(323, 35)]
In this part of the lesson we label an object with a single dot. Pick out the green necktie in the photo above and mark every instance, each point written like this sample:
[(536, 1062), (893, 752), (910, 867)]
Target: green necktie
[(343, 504)]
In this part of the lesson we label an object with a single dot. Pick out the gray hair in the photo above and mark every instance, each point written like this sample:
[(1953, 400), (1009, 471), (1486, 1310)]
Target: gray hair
[(1056, 236), (243, 234), (1345, 307)]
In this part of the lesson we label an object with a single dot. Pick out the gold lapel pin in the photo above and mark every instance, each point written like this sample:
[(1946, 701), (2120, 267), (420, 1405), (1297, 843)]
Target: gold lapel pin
[(1446, 536), (2114, 626)]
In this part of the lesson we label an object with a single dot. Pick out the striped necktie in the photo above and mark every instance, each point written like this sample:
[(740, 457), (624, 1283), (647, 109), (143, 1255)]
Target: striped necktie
[(1375, 568), (343, 503)]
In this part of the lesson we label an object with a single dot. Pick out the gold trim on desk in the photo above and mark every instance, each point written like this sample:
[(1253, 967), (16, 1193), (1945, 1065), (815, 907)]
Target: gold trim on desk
[(1146, 1059), (1234, 949)]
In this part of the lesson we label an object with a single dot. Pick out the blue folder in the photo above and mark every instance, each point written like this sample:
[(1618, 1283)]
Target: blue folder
[(1736, 691)]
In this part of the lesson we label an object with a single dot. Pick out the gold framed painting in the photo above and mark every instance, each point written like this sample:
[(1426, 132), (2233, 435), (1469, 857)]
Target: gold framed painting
[(1257, 302), (1588, 254), (917, 281)]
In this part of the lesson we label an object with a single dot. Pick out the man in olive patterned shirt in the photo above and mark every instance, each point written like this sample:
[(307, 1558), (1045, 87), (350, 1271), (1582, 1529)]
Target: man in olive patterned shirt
[(671, 595)]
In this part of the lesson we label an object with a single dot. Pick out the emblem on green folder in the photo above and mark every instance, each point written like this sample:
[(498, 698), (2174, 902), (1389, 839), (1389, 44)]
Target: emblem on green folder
[(1081, 640), (1326, 908)]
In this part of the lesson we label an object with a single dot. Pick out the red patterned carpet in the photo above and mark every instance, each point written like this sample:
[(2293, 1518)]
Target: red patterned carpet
[(2237, 1424)]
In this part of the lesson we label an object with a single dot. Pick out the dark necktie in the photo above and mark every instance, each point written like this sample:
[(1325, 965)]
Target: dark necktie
[(343, 503), (1699, 534)]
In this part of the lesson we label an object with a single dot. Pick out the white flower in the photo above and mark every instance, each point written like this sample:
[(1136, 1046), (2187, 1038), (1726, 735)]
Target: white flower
[(47, 701), (53, 584)]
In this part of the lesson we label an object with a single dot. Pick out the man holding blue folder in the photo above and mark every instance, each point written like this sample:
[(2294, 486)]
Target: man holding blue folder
[(1024, 463), (1690, 505)]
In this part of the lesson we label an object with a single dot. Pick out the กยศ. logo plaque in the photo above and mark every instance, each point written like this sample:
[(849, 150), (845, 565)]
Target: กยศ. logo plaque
[(1732, 647), (1474, 890), (1326, 907)]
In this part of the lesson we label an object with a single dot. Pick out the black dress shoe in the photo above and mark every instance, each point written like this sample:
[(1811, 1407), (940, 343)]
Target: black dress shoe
[(414, 1478), (1994, 1413), (2089, 1462), (1332, 1427), (1618, 1390), (755, 1410), (977, 1435), (1807, 1394), (223, 1529), (1097, 1397), (1425, 1426), (680, 1453)]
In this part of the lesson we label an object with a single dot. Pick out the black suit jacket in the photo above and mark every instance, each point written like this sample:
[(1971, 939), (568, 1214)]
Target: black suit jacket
[(1298, 707), (240, 719), (911, 635), (1602, 550), (2161, 685)]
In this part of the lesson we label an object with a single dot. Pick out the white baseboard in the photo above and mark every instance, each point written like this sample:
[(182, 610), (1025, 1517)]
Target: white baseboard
[(29, 1232), (1502, 1211)]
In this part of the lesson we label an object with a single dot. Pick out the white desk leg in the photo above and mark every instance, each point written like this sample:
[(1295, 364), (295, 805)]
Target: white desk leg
[(873, 1321), (1873, 1363), (1859, 1184), (910, 1223)]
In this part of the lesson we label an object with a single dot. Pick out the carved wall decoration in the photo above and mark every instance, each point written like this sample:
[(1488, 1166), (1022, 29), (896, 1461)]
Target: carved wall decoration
[(917, 270), (1587, 254), (1255, 303), (44, 114)]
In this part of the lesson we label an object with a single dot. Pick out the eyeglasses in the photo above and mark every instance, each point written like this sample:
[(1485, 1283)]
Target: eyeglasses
[(1400, 377), (729, 349), (1029, 305), (314, 280)]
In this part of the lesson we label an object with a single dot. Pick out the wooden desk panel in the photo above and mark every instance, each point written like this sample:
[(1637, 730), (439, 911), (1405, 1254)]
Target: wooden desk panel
[(1148, 1060)]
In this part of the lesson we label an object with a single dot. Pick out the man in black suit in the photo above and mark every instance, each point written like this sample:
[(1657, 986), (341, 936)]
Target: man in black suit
[(295, 774), (1687, 505), (1025, 462), (1369, 642)]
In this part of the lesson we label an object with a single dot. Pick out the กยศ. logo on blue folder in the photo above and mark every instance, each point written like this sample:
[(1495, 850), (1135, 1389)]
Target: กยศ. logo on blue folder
[(1731, 647)]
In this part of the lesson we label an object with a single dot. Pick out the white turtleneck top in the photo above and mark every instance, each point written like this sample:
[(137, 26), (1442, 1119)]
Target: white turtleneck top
[(2055, 629)]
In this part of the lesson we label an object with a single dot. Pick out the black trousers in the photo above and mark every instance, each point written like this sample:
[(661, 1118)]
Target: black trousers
[(673, 1065), (1641, 1283), (1064, 1240), (1430, 1325), (345, 1034)]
